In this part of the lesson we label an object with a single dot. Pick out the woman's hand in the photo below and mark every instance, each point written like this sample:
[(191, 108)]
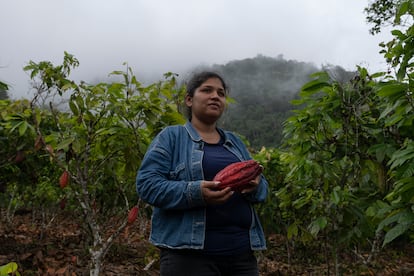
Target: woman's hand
[(252, 185), (212, 195)]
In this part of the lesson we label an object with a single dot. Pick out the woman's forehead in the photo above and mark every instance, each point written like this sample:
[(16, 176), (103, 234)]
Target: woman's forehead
[(212, 82)]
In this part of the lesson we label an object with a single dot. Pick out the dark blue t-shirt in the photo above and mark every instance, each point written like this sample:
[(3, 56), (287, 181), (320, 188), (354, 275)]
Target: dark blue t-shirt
[(228, 224)]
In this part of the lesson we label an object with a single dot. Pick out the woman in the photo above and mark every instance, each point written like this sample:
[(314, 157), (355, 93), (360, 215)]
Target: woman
[(201, 230)]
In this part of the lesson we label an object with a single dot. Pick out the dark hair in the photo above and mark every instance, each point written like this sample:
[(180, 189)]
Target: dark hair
[(197, 80)]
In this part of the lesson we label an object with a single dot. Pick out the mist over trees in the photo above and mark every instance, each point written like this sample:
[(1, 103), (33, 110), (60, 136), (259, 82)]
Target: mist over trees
[(3, 94), (261, 89), (3, 91)]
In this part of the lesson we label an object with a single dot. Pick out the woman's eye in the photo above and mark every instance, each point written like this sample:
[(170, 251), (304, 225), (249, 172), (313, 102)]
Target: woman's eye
[(208, 90)]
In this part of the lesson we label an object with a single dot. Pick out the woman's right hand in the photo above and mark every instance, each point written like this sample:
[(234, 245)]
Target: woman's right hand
[(214, 196)]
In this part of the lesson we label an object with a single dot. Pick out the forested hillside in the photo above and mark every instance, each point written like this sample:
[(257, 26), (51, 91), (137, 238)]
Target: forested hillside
[(262, 88)]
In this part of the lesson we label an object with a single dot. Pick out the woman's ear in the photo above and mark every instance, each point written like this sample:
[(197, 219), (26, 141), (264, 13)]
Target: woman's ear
[(188, 100)]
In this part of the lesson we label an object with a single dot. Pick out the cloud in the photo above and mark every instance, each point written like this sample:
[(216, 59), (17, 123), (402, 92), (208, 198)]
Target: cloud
[(158, 36)]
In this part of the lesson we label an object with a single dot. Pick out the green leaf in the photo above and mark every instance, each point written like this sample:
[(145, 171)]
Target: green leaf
[(381, 151), (399, 34), (16, 126), (23, 128), (68, 85), (335, 196), (292, 231), (9, 268), (3, 86), (73, 107), (405, 218), (378, 74), (394, 119), (392, 89), (387, 221), (401, 156), (315, 86), (317, 225), (64, 145), (395, 232)]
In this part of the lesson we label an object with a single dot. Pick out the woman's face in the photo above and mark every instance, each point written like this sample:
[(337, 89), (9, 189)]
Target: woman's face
[(209, 100)]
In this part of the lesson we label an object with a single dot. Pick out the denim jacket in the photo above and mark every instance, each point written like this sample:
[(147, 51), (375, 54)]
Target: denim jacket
[(170, 179)]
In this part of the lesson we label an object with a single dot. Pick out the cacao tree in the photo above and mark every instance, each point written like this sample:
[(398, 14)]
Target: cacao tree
[(98, 140), (350, 155), (397, 105), (332, 177), (26, 178)]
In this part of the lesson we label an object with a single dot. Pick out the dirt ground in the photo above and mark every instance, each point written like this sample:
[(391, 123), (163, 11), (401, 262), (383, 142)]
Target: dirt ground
[(60, 248)]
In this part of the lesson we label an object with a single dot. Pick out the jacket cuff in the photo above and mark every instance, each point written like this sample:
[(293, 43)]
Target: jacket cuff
[(194, 194)]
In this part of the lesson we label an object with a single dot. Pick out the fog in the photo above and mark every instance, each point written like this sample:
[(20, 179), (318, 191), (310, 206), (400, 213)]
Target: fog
[(159, 36)]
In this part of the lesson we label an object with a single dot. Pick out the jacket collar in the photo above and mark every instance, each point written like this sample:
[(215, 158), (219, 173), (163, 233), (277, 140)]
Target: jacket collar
[(192, 131), (196, 138)]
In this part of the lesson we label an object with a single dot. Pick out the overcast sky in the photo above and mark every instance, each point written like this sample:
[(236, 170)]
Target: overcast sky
[(158, 36)]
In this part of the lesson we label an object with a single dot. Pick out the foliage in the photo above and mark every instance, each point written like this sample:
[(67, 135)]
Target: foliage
[(3, 94), (380, 13), (22, 166), (332, 178), (97, 135), (350, 154), (3, 91), (272, 161), (10, 268), (3, 86), (397, 105)]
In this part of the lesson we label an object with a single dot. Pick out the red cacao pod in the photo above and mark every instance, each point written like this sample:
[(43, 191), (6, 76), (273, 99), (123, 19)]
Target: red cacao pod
[(20, 157), (64, 179), (133, 214), (74, 260), (238, 175), (62, 203)]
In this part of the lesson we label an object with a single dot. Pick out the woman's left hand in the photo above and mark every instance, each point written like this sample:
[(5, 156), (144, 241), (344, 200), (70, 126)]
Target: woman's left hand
[(252, 185)]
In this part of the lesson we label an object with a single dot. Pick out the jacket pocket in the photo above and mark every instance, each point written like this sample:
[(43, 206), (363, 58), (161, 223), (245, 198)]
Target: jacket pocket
[(178, 173)]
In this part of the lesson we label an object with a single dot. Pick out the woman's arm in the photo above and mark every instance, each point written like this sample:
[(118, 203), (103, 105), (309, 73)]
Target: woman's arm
[(161, 185)]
